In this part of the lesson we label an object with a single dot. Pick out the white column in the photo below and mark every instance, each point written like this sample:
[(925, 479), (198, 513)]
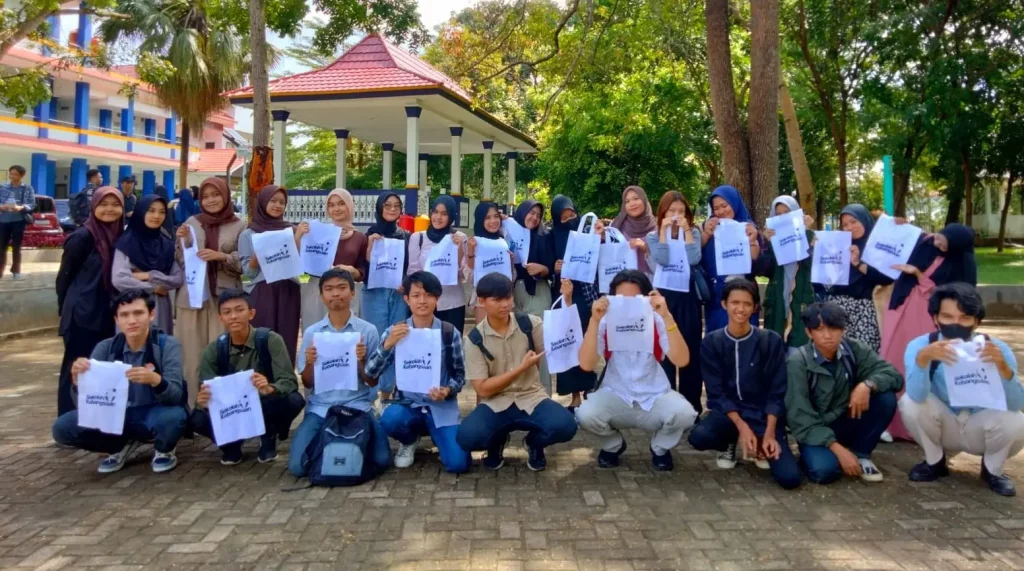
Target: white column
[(341, 160), (280, 118), (423, 196), (388, 148), (456, 160), (488, 151), (412, 146), (512, 156)]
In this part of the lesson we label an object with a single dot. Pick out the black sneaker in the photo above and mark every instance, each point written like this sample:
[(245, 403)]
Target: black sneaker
[(925, 472), (662, 463), (607, 459), (1001, 484), (495, 458), (536, 460), (231, 456), (268, 448)]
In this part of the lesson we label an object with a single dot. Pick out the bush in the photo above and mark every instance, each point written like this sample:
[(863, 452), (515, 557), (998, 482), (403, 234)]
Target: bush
[(36, 240)]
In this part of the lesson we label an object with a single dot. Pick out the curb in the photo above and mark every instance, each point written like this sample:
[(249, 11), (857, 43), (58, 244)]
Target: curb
[(52, 329)]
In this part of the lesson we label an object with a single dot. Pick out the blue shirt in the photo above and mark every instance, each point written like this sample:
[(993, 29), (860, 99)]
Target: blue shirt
[(22, 194), (919, 386), (361, 398)]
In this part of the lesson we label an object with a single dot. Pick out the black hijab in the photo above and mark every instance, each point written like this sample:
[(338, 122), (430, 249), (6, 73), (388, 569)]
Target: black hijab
[(148, 249), (560, 229), (540, 248), (482, 210), (957, 265), (448, 202), (381, 226), (866, 220)]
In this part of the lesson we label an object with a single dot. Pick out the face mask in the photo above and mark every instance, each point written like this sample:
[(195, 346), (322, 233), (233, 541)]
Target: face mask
[(955, 331)]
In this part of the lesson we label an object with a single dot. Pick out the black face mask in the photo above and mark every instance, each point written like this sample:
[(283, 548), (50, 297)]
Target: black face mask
[(955, 331)]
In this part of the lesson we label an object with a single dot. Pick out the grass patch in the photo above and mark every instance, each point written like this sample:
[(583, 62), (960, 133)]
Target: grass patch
[(1004, 268)]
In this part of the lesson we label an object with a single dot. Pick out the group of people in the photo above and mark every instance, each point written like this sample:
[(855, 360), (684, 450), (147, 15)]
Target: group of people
[(823, 369)]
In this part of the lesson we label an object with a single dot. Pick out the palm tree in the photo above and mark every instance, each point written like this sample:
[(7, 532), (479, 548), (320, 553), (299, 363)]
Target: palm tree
[(189, 59)]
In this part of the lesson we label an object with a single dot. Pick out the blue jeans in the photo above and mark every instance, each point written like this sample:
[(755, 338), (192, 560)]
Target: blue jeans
[(859, 435), (298, 461), (383, 308), (716, 432), (484, 429), (407, 424), (162, 425)]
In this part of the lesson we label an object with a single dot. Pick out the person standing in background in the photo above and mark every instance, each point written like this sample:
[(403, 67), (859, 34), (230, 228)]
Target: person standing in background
[(451, 305), (17, 201), (532, 288), (128, 188), (636, 220), (789, 289), (81, 202), (350, 257)]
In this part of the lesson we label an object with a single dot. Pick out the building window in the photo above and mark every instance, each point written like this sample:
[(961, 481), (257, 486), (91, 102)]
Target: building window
[(211, 145)]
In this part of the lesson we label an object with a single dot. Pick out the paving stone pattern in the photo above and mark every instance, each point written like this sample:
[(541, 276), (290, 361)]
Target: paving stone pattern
[(56, 512)]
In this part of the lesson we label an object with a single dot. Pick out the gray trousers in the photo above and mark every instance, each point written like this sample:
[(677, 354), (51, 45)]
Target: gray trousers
[(605, 414)]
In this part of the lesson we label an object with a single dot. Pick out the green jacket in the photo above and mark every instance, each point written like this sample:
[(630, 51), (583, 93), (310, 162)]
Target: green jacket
[(245, 358), (774, 303), (810, 411)]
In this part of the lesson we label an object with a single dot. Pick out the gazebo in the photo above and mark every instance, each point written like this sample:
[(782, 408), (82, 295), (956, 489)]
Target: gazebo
[(381, 93)]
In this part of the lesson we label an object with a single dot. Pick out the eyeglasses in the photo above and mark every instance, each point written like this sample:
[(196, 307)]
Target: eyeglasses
[(392, 206)]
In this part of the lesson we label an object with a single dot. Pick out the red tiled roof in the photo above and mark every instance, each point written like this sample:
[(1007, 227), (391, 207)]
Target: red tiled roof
[(374, 64), (215, 161)]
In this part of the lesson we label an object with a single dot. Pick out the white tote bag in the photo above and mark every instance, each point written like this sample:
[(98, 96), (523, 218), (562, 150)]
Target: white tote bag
[(971, 382), (443, 261), (789, 244), (387, 262), (518, 240), (195, 273), (337, 367), (418, 361), (629, 324), (235, 409), (581, 253), (732, 248), (890, 244), (676, 275), (277, 254), (492, 257), (614, 256), (563, 337), (831, 263), (319, 247), (103, 396)]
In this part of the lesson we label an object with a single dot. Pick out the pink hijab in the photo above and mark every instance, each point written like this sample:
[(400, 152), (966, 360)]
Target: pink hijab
[(347, 228)]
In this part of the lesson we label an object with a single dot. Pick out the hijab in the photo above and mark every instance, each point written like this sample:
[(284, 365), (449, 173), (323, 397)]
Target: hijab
[(262, 221), (148, 249), (105, 234), (740, 214), (451, 208), (187, 207), (347, 228), (381, 226), (540, 249), (560, 229), (211, 222), (168, 225), (638, 227), (482, 210), (789, 270), (863, 215), (957, 265)]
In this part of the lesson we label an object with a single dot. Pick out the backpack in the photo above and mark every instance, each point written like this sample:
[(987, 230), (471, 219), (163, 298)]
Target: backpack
[(262, 351), (525, 325), (342, 454), (934, 365)]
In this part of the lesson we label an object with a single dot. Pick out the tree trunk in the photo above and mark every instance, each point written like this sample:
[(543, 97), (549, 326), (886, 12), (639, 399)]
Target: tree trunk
[(804, 183), (1006, 211), (965, 163), (900, 188), (731, 137), (258, 75), (183, 160), (763, 107), (844, 194)]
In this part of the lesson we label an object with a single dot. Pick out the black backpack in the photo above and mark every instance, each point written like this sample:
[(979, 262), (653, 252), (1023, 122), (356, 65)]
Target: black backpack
[(934, 365), (525, 325), (342, 454), (262, 352)]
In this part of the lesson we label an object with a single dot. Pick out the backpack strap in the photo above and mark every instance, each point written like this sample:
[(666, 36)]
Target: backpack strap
[(526, 326), (116, 347), (447, 339), (224, 367), (421, 239), (476, 338), (263, 353)]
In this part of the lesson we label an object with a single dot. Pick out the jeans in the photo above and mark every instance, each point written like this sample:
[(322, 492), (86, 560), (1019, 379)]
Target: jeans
[(278, 414), (859, 435), (407, 424), (298, 460), (383, 308), (484, 429), (716, 431), (163, 425), (11, 232)]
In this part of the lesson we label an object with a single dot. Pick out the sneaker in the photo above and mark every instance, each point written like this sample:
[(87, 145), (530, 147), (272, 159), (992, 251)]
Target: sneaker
[(231, 456), (663, 462), (869, 472), (925, 472), (16, 277), (727, 460), (268, 448), (495, 458), (115, 462), (886, 437), (607, 459), (164, 461), (536, 460), (762, 463), (1001, 484), (406, 454)]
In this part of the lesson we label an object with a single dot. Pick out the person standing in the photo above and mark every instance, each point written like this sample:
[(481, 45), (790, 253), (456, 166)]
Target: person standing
[(144, 259), (636, 220), (726, 204), (128, 188), (216, 229), (789, 289), (81, 202), (486, 224), (186, 208), (17, 201), (532, 285), (451, 305), (384, 307), (85, 286)]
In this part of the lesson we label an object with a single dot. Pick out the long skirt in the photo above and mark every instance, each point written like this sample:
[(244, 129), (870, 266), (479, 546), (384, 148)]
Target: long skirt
[(78, 342), (686, 311), (576, 379), (536, 304), (277, 307), (196, 329), (863, 320)]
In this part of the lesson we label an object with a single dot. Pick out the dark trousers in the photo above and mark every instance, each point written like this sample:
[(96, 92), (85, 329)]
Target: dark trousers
[(161, 425), (859, 435), (78, 342), (278, 414), (686, 311), (716, 432), (484, 429), (277, 308), (11, 233), (456, 317)]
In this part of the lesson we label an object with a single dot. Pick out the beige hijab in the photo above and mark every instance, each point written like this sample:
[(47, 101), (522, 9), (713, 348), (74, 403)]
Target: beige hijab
[(348, 229)]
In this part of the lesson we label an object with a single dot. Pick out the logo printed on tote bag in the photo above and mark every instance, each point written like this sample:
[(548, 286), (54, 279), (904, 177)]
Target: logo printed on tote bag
[(391, 264), (190, 277), (424, 363), (637, 327), (240, 407), (444, 261), (893, 250), (787, 240), (494, 263), (106, 399), (567, 341), (737, 252), (832, 259), (580, 258), (337, 363), (319, 248), (279, 255)]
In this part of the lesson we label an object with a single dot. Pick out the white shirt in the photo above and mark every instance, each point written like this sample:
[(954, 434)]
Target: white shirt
[(635, 377)]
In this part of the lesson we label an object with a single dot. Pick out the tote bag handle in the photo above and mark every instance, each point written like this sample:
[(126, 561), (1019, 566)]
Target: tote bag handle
[(583, 223)]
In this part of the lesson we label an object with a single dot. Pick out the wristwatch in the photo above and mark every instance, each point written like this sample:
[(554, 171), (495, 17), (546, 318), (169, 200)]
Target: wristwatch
[(871, 385)]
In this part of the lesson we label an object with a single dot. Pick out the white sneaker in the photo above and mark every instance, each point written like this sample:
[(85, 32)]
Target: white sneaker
[(727, 460), (869, 472), (115, 462), (762, 464), (886, 437), (406, 455), (164, 461), (16, 277)]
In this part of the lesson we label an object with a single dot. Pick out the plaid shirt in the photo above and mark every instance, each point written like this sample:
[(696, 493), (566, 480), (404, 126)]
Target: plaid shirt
[(22, 194), (378, 361)]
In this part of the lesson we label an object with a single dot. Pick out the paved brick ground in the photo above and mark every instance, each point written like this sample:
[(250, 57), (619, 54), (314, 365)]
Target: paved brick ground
[(56, 512)]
